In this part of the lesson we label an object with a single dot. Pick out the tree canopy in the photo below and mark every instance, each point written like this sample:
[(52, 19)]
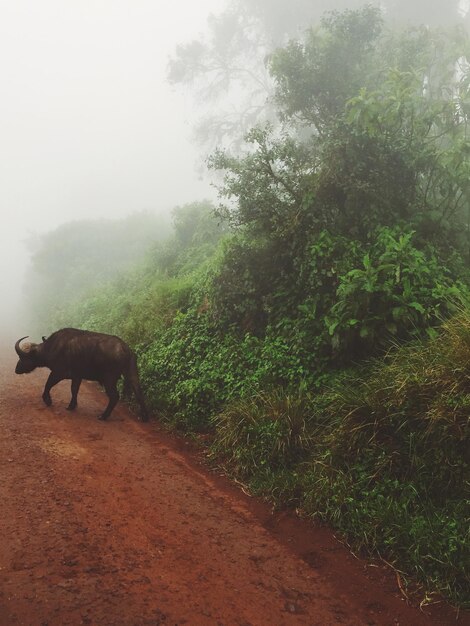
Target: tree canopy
[(227, 70)]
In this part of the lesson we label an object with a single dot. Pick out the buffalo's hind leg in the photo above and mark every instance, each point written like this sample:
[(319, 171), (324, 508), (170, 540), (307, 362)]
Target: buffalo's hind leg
[(113, 395), (51, 381), (76, 382), (132, 380)]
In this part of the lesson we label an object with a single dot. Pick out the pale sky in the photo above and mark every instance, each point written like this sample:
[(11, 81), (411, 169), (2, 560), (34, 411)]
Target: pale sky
[(89, 126)]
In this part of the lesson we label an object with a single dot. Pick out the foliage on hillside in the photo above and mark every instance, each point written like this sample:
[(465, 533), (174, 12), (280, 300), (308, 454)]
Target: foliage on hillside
[(143, 299), (78, 257), (383, 454)]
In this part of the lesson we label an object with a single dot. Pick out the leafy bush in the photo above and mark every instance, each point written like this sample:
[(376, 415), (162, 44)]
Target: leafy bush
[(190, 370), (399, 292)]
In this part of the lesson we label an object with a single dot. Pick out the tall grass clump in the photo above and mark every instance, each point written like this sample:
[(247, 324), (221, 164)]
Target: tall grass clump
[(268, 429), (262, 439), (392, 472)]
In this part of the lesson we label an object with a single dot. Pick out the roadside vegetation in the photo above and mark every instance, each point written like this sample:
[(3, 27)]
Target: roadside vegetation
[(316, 322)]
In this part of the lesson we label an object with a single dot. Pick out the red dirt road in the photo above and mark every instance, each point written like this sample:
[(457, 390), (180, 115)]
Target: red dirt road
[(116, 524)]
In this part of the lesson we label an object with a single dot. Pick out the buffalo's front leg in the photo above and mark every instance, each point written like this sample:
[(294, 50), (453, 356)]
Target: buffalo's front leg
[(113, 395), (51, 381), (76, 382)]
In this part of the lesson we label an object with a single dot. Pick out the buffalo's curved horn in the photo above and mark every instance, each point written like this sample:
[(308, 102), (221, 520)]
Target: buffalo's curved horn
[(18, 350)]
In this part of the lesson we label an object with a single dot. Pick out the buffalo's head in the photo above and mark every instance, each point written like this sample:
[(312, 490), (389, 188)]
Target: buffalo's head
[(29, 357)]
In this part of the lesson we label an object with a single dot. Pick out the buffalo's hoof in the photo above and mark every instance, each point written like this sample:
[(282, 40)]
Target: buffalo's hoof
[(103, 418), (144, 418), (47, 400), (71, 407)]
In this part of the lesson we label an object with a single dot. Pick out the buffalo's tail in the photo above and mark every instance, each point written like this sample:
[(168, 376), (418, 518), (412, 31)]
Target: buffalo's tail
[(132, 383)]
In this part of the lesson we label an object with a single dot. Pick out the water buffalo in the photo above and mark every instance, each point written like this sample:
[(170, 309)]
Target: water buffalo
[(80, 354)]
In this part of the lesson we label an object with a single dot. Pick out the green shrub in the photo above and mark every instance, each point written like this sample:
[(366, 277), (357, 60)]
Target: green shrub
[(190, 370), (398, 293)]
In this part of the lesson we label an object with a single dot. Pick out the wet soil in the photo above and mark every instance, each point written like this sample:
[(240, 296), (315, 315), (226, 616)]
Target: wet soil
[(120, 524)]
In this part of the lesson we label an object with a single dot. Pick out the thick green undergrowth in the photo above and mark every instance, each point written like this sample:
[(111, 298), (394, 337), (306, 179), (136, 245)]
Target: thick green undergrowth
[(383, 455)]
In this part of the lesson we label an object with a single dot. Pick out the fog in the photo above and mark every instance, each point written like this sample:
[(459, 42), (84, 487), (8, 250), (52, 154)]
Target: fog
[(89, 125)]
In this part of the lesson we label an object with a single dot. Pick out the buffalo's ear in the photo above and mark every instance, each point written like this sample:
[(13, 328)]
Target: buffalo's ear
[(44, 338)]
